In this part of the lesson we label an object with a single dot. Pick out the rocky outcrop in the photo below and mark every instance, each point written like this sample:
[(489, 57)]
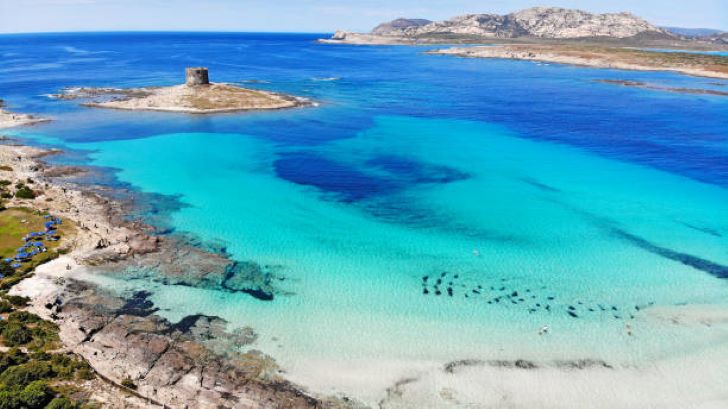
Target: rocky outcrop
[(178, 365), (400, 24), (537, 22)]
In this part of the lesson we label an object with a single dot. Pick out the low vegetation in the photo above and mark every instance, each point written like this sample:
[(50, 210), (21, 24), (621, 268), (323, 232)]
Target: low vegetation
[(33, 374)]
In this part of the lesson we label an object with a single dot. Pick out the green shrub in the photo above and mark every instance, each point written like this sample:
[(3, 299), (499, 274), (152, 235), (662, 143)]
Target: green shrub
[(5, 269), (12, 357), (10, 400), (36, 395), (5, 306), (128, 383), (23, 316), (17, 300), (5, 182), (16, 334), (85, 372), (61, 403), (6, 195), (25, 193), (22, 375), (8, 282)]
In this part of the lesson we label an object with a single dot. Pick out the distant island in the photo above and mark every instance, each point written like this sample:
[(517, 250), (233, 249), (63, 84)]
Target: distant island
[(196, 96), (558, 35)]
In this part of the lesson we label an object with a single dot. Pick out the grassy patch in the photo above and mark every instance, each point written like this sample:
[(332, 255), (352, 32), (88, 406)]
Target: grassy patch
[(16, 222)]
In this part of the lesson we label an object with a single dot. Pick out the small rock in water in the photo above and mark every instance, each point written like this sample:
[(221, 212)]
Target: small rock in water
[(571, 313)]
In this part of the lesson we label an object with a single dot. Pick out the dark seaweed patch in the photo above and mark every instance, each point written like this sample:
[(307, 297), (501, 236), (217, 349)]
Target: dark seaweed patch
[(330, 176), (715, 269), (540, 185), (138, 305), (416, 172), (706, 230)]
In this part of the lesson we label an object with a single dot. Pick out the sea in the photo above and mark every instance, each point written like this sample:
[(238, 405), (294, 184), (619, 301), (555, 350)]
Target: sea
[(426, 209)]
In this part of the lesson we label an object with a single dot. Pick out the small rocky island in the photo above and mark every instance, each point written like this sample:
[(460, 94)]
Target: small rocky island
[(10, 119), (196, 96)]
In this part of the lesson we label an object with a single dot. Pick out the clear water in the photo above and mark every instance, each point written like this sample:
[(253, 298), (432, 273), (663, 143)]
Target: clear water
[(533, 185)]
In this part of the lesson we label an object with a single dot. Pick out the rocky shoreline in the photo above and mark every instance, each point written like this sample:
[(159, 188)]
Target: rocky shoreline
[(180, 365)]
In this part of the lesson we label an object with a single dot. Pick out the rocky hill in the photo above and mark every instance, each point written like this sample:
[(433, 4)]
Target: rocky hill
[(399, 24), (721, 38), (538, 22), (692, 32)]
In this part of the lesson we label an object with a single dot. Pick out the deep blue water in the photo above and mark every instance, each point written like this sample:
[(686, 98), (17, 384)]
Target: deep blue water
[(684, 134)]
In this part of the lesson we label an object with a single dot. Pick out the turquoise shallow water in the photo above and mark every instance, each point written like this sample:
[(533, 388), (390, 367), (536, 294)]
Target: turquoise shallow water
[(537, 195), (552, 223)]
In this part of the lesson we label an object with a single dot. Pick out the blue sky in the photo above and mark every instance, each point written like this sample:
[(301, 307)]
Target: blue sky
[(311, 15)]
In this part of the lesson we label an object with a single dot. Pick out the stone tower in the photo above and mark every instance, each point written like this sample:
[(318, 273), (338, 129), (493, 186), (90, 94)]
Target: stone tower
[(197, 76)]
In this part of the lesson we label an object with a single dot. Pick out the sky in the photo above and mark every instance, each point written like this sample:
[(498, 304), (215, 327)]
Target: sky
[(320, 16)]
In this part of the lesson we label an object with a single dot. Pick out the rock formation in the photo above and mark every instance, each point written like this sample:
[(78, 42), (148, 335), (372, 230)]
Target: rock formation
[(540, 22), (399, 24)]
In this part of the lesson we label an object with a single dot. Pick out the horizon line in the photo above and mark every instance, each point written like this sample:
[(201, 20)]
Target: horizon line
[(160, 31)]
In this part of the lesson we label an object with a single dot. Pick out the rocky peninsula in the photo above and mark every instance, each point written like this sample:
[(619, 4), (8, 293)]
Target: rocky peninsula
[(701, 65), (196, 96), (140, 359)]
